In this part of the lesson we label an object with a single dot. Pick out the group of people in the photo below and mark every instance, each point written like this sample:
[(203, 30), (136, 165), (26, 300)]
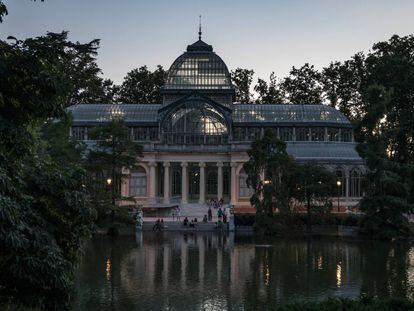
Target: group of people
[(214, 203), (159, 225), (191, 223), (176, 213)]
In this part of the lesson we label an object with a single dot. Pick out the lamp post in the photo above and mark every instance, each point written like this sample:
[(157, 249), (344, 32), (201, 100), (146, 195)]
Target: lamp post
[(338, 183), (109, 183)]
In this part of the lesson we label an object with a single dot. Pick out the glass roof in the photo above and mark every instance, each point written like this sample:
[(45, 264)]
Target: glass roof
[(322, 150), (287, 113), (104, 112), (198, 68), (242, 113)]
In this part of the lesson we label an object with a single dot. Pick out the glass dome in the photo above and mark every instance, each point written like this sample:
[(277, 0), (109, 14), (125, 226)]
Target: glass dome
[(198, 68), (195, 123)]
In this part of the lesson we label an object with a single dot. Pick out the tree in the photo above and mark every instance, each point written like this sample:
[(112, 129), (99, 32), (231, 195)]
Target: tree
[(63, 150), (303, 85), (142, 86), (44, 207), (242, 80), (343, 85), (3, 11), (314, 188), (114, 152), (269, 171), (389, 185), (269, 93)]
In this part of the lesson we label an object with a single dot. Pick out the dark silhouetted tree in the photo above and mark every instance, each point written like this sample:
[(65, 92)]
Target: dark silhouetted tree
[(242, 80), (141, 86), (269, 93), (303, 86)]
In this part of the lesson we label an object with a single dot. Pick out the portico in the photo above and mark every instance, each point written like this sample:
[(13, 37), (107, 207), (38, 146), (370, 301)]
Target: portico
[(190, 180)]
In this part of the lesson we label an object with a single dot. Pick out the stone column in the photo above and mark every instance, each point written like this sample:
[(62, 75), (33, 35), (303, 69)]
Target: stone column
[(233, 183), (152, 182), (219, 180), (202, 197), (184, 183), (166, 182)]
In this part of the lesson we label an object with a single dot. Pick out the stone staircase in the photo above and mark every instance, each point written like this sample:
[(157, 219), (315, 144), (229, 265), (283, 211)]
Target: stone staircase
[(178, 226), (191, 211)]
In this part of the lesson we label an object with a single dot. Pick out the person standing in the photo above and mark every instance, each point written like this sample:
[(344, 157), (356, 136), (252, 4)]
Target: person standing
[(210, 214), (219, 213), (178, 214)]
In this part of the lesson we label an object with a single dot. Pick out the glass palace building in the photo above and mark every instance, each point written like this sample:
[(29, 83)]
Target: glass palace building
[(195, 141)]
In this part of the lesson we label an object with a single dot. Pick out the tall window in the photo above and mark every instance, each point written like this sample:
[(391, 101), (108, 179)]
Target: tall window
[(138, 183), (212, 182), (239, 133), (78, 132), (153, 132), (254, 133), (355, 184), (333, 134), (286, 133), (244, 190), (176, 182), (318, 133), (139, 133), (346, 135), (302, 134)]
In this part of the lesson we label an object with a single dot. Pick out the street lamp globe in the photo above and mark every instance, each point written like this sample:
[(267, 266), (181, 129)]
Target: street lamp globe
[(109, 181), (338, 183)]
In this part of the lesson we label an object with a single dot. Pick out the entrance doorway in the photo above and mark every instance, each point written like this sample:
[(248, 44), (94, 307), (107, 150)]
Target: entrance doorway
[(193, 183)]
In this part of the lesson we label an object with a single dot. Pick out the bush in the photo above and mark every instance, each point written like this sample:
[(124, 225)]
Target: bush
[(244, 219)]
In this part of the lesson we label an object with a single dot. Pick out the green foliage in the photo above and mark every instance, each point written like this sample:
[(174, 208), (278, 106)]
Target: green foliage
[(279, 183), (141, 86), (269, 93), (242, 80), (343, 85), (3, 11), (58, 145), (386, 134), (314, 188), (269, 174), (113, 154), (303, 86), (44, 207), (244, 219)]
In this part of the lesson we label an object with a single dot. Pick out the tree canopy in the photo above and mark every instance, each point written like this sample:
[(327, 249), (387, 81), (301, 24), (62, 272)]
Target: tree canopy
[(44, 206)]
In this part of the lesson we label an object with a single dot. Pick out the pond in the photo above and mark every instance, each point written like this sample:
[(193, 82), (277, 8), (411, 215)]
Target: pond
[(213, 271)]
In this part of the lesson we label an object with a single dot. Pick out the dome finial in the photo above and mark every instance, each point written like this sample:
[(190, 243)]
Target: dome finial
[(199, 27)]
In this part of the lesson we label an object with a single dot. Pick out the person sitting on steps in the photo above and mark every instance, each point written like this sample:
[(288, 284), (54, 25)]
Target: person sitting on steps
[(185, 222)]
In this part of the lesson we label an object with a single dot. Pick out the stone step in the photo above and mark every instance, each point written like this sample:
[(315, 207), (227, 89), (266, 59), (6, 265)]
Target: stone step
[(178, 226)]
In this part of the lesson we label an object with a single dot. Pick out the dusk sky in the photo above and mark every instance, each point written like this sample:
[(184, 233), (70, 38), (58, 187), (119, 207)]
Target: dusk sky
[(261, 35)]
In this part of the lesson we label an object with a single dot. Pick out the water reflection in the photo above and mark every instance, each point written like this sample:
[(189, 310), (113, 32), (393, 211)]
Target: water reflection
[(210, 271)]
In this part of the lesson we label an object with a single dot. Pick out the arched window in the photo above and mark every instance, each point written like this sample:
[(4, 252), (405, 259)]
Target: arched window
[(195, 123), (355, 184), (138, 183), (244, 190)]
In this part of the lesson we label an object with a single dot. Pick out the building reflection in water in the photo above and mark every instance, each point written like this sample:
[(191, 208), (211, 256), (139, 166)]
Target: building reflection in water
[(213, 271)]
